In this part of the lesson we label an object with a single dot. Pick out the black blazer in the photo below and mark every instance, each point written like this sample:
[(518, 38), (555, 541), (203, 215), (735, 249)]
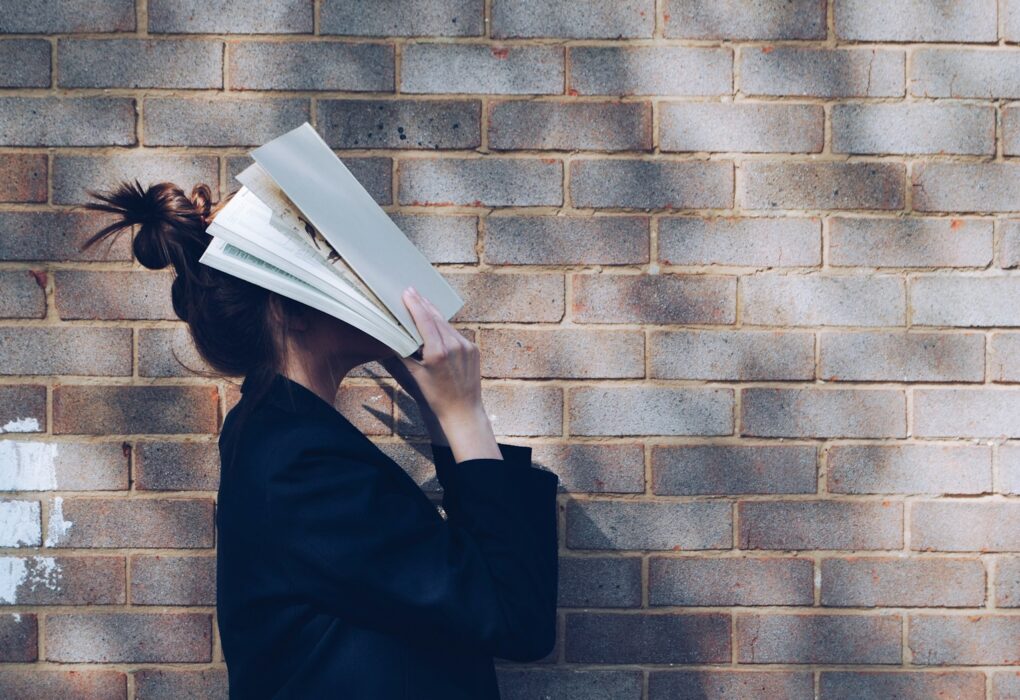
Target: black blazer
[(338, 578)]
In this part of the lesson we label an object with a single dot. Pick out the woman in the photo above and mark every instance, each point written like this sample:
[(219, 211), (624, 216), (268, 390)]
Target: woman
[(336, 576)]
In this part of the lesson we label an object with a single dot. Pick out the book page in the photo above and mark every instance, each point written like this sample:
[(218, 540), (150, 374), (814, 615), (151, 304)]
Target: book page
[(262, 185)]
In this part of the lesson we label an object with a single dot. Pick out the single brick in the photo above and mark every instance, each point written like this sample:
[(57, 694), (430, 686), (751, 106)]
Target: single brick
[(22, 408), (985, 640), (902, 357), (410, 124), (202, 121), (1006, 685), (854, 685), (176, 466), (1009, 468), (402, 18), (26, 61), (129, 637), (73, 174), (1010, 130), (646, 525), (814, 300), (374, 174), (229, 17), (650, 70), (823, 412), (158, 579), (691, 470), (31, 682), (966, 187), (748, 685), (88, 294), (821, 525), (617, 638), (965, 526), (935, 469), (744, 127), (481, 182), (600, 582), (871, 582), (168, 352), (965, 73), (964, 301), (584, 126), (651, 184), (732, 19), (594, 467), (566, 240), (1009, 245), (600, 19), (69, 121), (20, 524), (79, 351), (169, 683), (573, 353), (1010, 11), (661, 298), (819, 639), (135, 522), (319, 65), (853, 72), (650, 410), (34, 465), (913, 128), (1003, 362), (98, 410), (92, 580), (909, 242), (525, 684), (66, 16), (57, 235), (23, 177), (966, 413), (690, 581), (821, 185), (1007, 582), (441, 239), (731, 355), (916, 20), (139, 63), (508, 297), (481, 69), (19, 638), (22, 293), (750, 242)]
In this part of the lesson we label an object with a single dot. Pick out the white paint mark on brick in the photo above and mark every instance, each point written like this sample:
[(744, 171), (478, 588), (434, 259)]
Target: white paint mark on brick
[(58, 527), (20, 524), (34, 572), (21, 425), (28, 466)]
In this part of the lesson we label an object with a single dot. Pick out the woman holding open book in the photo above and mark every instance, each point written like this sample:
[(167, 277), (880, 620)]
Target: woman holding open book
[(336, 576)]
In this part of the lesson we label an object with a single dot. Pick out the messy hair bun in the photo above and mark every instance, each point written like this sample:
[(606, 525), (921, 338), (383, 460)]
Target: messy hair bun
[(237, 327)]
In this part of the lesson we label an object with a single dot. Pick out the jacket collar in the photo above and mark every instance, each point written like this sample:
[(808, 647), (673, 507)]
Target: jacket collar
[(292, 396)]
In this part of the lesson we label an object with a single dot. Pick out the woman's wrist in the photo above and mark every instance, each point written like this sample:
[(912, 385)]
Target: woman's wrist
[(469, 434)]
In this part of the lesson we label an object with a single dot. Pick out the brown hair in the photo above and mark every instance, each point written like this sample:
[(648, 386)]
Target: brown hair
[(237, 327)]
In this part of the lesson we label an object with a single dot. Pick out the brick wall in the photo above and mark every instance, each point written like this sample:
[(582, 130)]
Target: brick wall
[(742, 273)]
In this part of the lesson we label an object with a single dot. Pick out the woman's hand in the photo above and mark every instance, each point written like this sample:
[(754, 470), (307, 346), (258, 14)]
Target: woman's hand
[(448, 378)]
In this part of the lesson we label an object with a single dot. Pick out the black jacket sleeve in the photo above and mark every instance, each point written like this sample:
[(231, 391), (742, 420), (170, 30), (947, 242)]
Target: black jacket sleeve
[(357, 544)]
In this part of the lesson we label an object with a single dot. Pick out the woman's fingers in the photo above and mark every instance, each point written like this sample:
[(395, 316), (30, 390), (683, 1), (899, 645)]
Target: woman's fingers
[(425, 320), (451, 335)]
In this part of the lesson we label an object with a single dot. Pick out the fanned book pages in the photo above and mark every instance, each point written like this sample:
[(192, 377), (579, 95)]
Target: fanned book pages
[(302, 226)]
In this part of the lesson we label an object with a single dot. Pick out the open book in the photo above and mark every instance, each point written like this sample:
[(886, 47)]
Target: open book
[(301, 225)]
